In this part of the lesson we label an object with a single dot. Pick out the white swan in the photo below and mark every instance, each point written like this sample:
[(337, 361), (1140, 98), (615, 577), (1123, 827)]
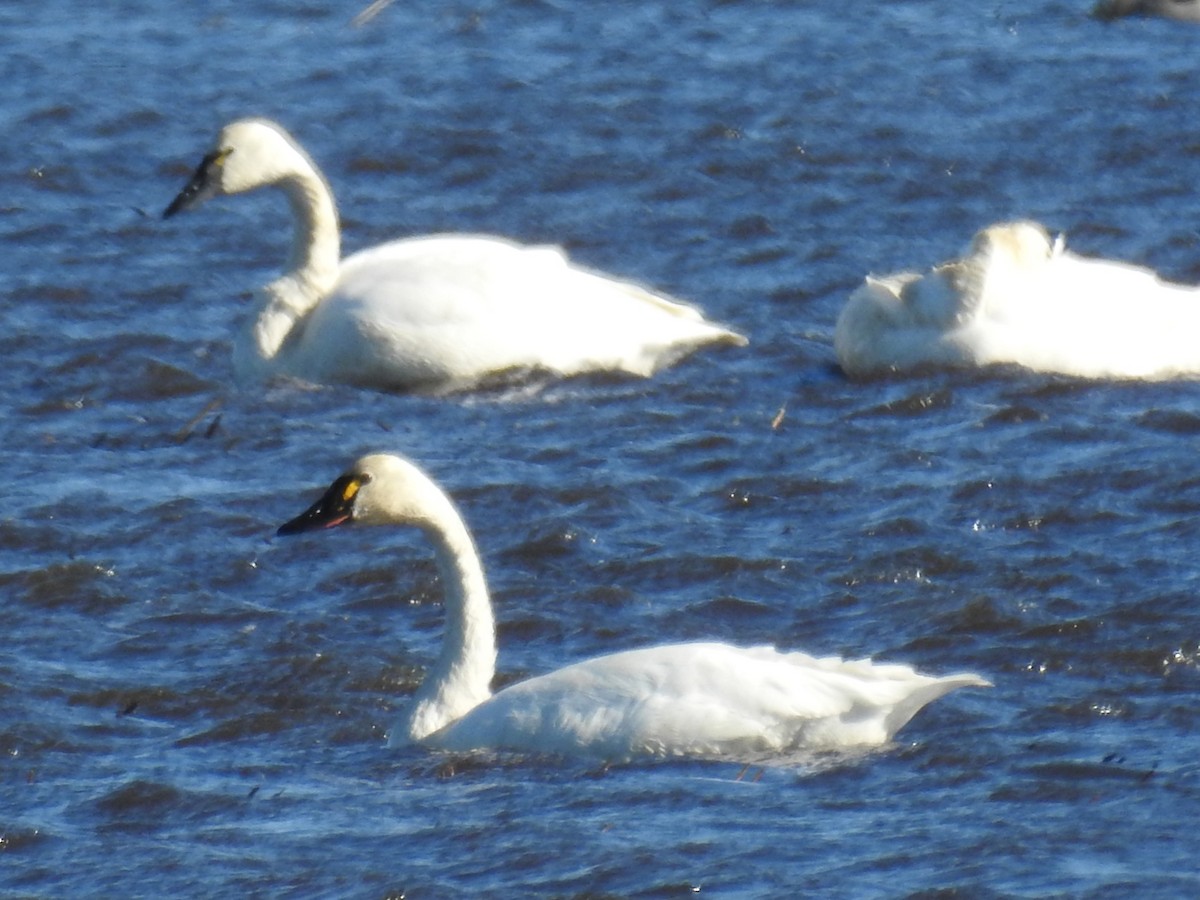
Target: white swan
[(703, 699), (444, 310), (1016, 297)]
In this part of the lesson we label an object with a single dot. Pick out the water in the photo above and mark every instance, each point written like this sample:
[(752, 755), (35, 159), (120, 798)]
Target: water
[(190, 707)]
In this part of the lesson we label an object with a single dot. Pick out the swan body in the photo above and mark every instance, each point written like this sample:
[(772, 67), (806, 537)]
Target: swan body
[(1180, 10), (706, 700), (442, 310), (1017, 297)]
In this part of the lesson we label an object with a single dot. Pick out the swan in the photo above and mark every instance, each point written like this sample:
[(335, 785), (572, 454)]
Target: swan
[(1180, 10), (441, 310), (706, 700), (1018, 297)]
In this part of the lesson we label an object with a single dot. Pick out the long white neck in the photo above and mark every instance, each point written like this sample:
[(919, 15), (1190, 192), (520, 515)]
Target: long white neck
[(461, 679), (311, 275)]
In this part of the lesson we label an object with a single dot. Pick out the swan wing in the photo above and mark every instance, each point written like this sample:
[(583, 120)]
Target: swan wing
[(702, 699), (1094, 318), (455, 307), (1019, 297), (903, 320)]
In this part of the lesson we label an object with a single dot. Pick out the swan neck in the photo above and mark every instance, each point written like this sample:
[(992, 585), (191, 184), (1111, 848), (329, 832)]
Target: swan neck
[(461, 678), (316, 246), (312, 273)]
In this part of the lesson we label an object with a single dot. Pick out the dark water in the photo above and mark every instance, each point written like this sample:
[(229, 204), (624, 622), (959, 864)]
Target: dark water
[(189, 707)]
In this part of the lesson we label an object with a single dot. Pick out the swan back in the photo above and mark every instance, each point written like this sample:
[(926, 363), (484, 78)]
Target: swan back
[(1180, 10), (445, 309), (701, 700)]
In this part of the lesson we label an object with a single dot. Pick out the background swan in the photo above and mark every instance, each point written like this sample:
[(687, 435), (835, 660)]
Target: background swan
[(697, 699), (1181, 10), (430, 310), (1016, 297)]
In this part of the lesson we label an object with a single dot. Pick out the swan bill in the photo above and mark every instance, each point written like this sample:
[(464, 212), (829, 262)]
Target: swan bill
[(204, 184), (336, 507)]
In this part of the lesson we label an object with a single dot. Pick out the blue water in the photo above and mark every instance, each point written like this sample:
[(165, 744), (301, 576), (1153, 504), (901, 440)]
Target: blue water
[(190, 707)]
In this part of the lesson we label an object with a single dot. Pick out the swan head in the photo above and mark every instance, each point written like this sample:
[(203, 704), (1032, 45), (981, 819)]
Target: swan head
[(248, 154), (1023, 243), (379, 489)]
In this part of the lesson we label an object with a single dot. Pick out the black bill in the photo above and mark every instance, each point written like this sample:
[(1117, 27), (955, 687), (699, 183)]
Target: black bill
[(334, 508), (202, 186)]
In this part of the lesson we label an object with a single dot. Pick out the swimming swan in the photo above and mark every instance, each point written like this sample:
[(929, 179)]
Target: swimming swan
[(1181, 10), (702, 699), (1017, 297), (428, 311)]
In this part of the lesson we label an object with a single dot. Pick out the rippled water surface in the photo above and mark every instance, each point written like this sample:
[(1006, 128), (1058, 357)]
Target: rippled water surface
[(190, 707)]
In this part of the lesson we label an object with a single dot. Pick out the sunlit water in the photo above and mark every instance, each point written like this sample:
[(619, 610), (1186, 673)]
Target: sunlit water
[(190, 707)]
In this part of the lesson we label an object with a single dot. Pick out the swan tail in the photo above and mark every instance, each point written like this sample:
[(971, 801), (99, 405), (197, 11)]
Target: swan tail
[(926, 693), (710, 332), (867, 315)]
